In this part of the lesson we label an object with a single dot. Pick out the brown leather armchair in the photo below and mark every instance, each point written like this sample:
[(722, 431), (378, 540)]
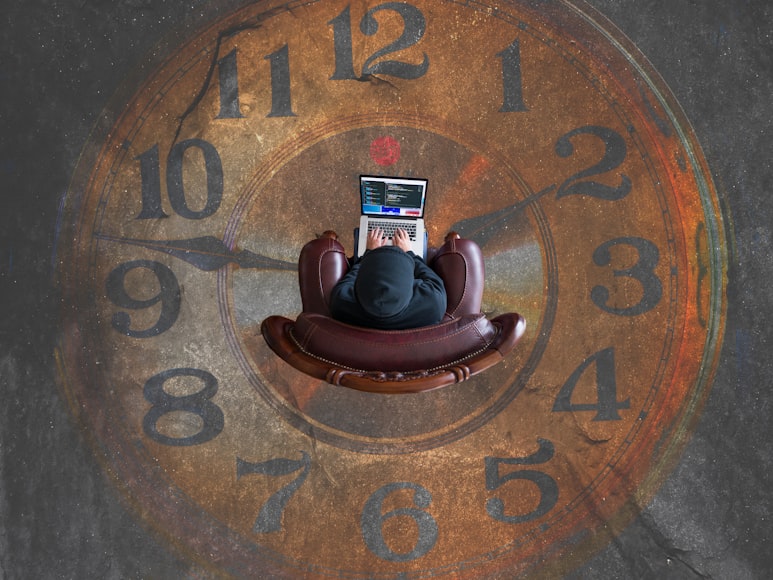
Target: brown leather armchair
[(393, 361)]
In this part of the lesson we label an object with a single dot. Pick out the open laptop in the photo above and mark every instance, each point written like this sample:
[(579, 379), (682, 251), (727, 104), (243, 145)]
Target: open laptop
[(391, 203)]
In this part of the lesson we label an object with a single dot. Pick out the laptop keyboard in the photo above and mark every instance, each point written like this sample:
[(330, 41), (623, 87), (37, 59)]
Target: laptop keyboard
[(389, 227)]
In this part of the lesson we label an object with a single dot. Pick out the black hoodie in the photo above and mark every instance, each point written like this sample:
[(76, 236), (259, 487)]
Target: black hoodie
[(389, 289)]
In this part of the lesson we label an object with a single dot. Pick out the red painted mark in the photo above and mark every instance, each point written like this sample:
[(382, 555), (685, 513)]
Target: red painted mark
[(385, 151)]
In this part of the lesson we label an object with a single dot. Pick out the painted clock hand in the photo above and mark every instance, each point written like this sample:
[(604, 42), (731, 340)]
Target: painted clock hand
[(208, 253), (482, 228)]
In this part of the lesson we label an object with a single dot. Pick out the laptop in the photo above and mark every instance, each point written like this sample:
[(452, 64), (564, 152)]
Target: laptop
[(391, 203)]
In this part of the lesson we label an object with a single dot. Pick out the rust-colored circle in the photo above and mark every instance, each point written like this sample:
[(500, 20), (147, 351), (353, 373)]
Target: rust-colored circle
[(546, 138)]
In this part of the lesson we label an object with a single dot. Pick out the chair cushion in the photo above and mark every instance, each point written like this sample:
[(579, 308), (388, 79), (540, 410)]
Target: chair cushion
[(416, 349)]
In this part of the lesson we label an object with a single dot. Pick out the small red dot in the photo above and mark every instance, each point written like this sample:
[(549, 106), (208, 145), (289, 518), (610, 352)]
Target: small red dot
[(385, 151)]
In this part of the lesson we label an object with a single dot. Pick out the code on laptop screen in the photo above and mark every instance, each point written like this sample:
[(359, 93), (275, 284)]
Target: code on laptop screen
[(393, 196)]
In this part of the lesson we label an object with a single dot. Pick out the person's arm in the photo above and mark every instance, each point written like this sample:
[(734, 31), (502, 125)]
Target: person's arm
[(343, 291), (429, 291), (420, 269), (426, 275)]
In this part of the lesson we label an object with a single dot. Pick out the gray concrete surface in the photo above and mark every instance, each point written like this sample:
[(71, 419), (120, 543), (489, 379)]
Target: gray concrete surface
[(59, 518)]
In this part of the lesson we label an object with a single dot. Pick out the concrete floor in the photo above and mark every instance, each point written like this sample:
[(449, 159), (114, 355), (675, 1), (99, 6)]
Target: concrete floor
[(59, 517)]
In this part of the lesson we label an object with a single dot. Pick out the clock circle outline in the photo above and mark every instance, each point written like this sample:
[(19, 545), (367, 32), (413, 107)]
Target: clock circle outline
[(99, 242)]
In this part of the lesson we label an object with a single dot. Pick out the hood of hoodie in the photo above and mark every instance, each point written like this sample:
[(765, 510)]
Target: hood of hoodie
[(384, 285)]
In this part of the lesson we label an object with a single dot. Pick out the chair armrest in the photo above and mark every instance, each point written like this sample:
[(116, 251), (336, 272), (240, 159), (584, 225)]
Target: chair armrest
[(322, 263), (459, 262)]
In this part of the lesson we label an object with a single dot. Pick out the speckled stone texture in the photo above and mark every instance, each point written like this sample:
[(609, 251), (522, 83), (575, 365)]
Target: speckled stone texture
[(60, 517)]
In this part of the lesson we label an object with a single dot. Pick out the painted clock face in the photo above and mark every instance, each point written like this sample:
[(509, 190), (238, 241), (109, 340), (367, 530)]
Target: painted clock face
[(545, 137)]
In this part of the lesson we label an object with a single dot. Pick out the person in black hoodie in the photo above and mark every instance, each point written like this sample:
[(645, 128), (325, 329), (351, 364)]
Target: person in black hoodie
[(389, 288)]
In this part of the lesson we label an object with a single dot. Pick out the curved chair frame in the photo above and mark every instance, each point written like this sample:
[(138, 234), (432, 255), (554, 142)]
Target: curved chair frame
[(278, 333), (381, 361)]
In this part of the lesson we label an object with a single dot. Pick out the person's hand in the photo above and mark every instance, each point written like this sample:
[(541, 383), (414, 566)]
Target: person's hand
[(375, 239), (401, 240)]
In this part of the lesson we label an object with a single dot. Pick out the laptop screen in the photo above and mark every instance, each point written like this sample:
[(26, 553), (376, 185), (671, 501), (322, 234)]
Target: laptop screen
[(392, 196)]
